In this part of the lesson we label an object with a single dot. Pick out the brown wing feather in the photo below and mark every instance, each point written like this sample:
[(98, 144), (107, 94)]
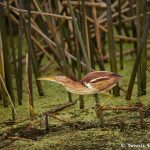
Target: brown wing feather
[(104, 85), (100, 80), (96, 74)]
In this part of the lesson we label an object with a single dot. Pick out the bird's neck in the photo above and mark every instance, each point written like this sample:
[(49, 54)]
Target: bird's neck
[(72, 84)]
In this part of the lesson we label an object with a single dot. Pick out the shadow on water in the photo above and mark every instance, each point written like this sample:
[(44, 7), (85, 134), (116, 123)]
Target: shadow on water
[(25, 133)]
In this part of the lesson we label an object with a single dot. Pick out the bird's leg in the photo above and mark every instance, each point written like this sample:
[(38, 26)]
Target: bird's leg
[(97, 105), (98, 111), (96, 98), (81, 102), (110, 96), (106, 101), (70, 97)]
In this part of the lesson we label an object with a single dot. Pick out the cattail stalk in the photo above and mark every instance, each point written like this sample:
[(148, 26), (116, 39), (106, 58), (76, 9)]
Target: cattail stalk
[(144, 54), (14, 55), (138, 10), (111, 43), (79, 35), (138, 58), (120, 33), (20, 38), (6, 57), (98, 37)]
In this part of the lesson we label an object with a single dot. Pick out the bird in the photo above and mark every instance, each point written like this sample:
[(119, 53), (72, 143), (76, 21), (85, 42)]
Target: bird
[(92, 83)]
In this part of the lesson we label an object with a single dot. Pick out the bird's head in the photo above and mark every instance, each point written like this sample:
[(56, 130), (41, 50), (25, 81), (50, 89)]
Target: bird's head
[(60, 79)]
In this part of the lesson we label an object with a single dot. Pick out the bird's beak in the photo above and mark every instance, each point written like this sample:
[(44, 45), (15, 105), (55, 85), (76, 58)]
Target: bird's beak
[(46, 78)]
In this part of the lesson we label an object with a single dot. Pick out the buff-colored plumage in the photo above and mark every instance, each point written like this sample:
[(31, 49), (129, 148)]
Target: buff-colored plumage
[(92, 83)]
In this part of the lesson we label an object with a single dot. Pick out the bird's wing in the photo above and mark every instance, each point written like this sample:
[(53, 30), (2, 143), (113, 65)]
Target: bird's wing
[(96, 75), (104, 85), (93, 77), (100, 80)]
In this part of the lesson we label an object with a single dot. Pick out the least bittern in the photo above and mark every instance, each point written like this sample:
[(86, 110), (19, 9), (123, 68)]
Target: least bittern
[(92, 83)]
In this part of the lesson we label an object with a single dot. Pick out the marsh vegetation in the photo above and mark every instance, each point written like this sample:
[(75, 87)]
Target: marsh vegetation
[(42, 38)]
